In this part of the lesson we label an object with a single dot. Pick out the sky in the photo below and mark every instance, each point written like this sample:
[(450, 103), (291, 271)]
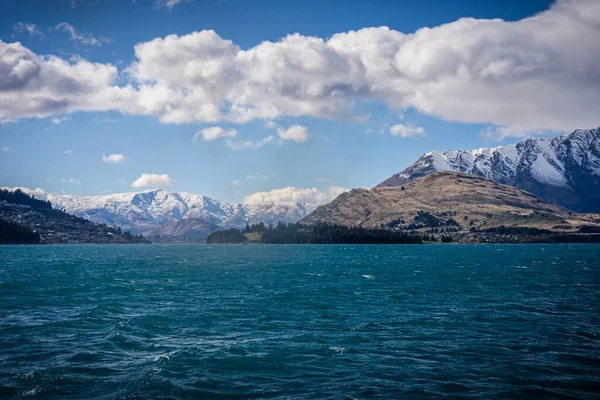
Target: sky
[(280, 100)]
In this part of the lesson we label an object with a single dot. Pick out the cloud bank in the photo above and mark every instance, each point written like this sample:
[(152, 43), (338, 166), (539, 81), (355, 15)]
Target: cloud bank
[(292, 195), (537, 73)]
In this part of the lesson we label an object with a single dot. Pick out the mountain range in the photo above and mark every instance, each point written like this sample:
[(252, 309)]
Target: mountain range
[(166, 213), (563, 170), (448, 202)]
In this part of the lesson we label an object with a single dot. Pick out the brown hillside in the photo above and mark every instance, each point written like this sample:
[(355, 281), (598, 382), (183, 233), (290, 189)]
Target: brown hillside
[(469, 200)]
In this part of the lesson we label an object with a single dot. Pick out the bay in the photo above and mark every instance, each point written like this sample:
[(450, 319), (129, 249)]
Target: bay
[(179, 321)]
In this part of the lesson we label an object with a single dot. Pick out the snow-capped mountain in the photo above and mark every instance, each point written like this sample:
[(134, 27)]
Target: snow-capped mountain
[(563, 170), (160, 212)]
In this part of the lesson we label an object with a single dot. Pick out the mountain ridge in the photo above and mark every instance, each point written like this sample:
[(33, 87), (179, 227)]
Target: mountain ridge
[(563, 170), (447, 201), (159, 211)]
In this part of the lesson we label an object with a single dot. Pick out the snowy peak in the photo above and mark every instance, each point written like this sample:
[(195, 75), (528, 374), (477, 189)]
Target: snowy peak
[(563, 170), (158, 212)]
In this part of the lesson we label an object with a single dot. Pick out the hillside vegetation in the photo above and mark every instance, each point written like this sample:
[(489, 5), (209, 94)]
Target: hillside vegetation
[(25, 219), (317, 234)]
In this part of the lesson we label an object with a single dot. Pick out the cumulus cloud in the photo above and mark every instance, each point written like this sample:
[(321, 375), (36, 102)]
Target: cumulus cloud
[(113, 158), (292, 195), (248, 144), (32, 29), (68, 152), (153, 180), (533, 73), (297, 133), (407, 131), (215, 132), (38, 86), (540, 72), (83, 38)]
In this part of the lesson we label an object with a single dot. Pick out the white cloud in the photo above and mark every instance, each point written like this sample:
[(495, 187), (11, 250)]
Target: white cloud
[(153, 180), (297, 133), (291, 195), (32, 29), (538, 73), (236, 182), (68, 152), (169, 4), (248, 144), (113, 158), (407, 131), (38, 86), (533, 73), (122, 181), (59, 120), (215, 132), (5, 148), (83, 38)]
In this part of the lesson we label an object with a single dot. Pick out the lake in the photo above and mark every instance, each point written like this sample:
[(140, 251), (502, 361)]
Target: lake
[(183, 321)]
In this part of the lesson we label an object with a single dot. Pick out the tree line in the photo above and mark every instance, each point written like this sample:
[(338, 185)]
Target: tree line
[(20, 197), (320, 233), (11, 233)]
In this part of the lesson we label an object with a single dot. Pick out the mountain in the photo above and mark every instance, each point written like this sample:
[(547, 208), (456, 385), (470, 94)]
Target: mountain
[(563, 170), (448, 200), (165, 213), (21, 214)]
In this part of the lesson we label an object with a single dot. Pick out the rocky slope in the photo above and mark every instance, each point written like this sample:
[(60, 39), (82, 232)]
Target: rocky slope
[(165, 213), (564, 170), (449, 201)]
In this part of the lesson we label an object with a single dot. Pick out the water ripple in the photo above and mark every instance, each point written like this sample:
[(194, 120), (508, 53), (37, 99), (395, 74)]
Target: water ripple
[(186, 321)]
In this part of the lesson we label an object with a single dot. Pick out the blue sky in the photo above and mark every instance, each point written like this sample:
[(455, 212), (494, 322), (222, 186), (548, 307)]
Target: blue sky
[(309, 111)]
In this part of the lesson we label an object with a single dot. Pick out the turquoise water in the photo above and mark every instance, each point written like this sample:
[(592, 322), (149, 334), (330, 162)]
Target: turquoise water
[(246, 322)]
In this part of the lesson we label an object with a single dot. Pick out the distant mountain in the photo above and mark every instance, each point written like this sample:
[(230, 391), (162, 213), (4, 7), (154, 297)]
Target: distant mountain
[(165, 213), (447, 201), (564, 170)]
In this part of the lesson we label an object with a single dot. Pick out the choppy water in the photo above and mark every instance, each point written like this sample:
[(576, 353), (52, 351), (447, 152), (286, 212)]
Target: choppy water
[(197, 321)]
